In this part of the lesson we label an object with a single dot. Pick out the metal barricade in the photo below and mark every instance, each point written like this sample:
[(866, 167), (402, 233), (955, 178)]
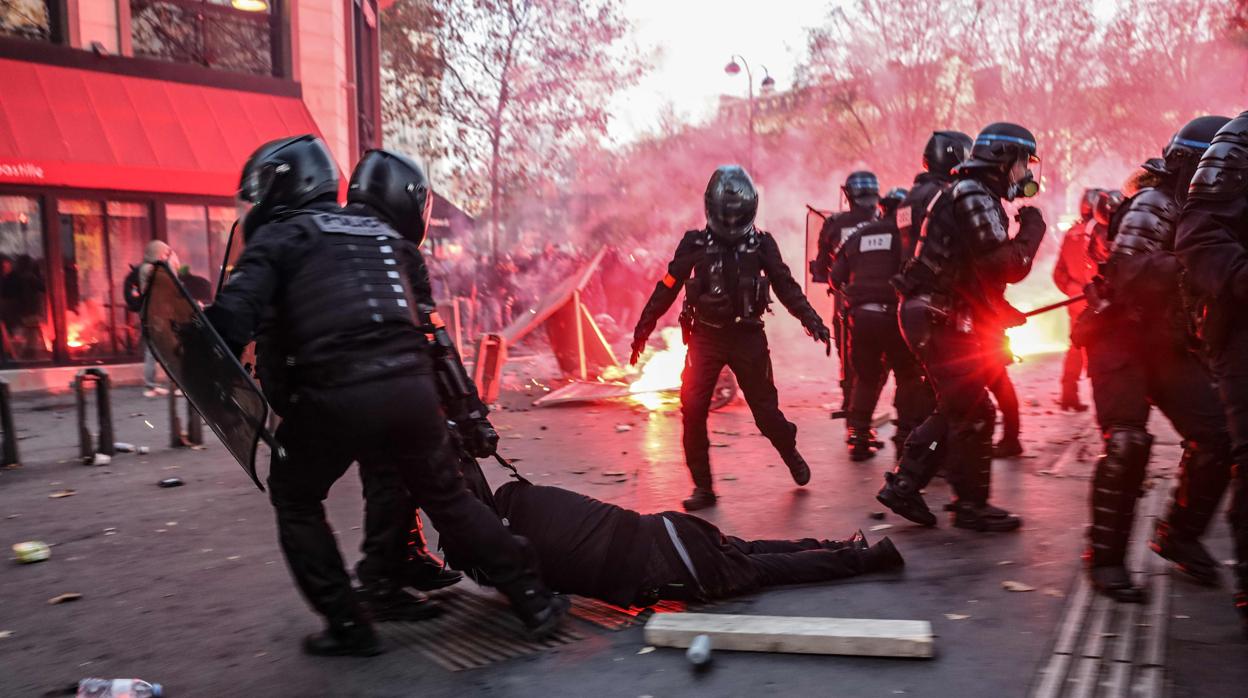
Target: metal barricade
[(194, 434), (6, 423), (105, 444)]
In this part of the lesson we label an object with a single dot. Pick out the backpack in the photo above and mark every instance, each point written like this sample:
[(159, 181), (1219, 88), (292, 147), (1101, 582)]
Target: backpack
[(132, 291)]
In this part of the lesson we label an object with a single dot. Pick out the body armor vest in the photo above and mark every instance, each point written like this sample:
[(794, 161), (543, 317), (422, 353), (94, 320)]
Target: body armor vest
[(350, 281), (728, 286), (874, 256)]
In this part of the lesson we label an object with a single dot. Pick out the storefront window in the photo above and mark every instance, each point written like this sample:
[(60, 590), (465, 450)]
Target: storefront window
[(187, 229), (27, 19), (25, 324), (129, 230), (99, 242), (233, 35)]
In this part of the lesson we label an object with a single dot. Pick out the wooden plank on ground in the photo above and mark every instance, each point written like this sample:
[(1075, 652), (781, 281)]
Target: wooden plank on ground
[(851, 636)]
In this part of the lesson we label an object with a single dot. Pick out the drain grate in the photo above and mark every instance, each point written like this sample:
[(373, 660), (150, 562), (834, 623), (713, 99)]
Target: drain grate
[(477, 628), (612, 617), (474, 630)]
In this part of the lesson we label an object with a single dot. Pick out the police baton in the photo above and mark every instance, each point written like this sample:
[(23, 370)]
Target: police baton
[(1055, 306)]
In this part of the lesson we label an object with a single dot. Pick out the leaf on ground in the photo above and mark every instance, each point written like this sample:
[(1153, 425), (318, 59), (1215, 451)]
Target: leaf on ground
[(1011, 585), (614, 473), (5, 634), (881, 527), (645, 650), (63, 598), (621, 428), (1003, 563), (957, 616), (728, 477), (61, 494), (1055, 593)]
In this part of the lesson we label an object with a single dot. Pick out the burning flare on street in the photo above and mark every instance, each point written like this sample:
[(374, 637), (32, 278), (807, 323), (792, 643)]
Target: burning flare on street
[(660, 372)]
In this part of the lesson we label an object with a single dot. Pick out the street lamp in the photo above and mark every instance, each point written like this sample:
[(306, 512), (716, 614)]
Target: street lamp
[(767, 84)]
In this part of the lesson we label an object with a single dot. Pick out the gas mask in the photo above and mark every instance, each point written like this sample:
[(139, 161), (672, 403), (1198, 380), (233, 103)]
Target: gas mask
[(1024, 183)]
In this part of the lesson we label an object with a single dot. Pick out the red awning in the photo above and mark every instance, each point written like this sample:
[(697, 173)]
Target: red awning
[(94, 130)]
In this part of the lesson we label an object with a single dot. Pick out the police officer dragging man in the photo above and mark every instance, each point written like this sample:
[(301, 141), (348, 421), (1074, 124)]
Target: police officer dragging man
[(1141, 353), (1212, 243), (953, 304), (862, 274), (862, 191), (727, 270), (347, 365)]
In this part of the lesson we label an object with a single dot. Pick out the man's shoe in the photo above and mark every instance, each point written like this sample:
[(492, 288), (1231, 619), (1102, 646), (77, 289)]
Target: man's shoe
[(399, 605), (700, 499), (1007, 448), (425, 575), (862, 444), (1114, 582), (984, 518), (797, 467), (350, 639), (883, 556), (904, 500), (1188, 555), (858, 541)]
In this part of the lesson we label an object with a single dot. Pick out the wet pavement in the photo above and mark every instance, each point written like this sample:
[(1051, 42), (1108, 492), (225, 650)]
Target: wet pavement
[(187, 586)]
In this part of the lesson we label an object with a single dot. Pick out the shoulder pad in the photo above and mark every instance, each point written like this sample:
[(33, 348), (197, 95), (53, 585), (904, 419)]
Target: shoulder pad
[(1146, 223), (342, 224), (978, 213), (1223, 169)]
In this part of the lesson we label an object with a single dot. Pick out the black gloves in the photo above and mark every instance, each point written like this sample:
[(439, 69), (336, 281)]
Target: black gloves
[(639, 346), (480, 438), (818, 331)]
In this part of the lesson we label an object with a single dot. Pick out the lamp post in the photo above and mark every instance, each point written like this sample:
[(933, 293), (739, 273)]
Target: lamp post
[(733, 68)]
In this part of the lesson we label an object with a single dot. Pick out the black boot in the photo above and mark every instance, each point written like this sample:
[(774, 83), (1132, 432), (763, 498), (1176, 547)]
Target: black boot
[(984, 518), (700, 499), (1115, 489), (1007, 448), (858, 541), (797, 467), (882, 556), (1070, 403), (901, 495), (353, 638), (1189, 555), (423, 570), (862, 443), (1114, 582)]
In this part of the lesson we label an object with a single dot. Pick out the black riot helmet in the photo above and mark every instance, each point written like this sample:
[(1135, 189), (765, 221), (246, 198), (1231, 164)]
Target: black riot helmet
[(286, 175), (1087, 202), (893, 199), (862, 188), (395, 187), (944, 150), (731, 202), (1107, 204), (997, 148), (1182, 154)]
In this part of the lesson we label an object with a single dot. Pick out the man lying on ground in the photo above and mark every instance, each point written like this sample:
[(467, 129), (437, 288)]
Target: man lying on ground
[(592, 548)]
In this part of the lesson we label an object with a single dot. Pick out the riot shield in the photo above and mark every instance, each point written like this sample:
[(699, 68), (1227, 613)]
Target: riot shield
[(202, 366), (816, 293)]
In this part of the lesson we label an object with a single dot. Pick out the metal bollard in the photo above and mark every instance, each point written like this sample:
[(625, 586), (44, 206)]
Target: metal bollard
[(194, 434), (6, 423), (104, 410)]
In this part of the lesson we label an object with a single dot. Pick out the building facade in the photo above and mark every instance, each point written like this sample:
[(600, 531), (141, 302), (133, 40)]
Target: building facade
[(124, 121)]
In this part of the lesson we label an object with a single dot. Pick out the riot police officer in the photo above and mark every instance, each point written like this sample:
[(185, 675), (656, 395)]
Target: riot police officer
[(862, 274), (1212, 242), (1141, 353), (1075, 267), (728, 270), (953, 302), (349, 370), (862, 191), (943, 152)]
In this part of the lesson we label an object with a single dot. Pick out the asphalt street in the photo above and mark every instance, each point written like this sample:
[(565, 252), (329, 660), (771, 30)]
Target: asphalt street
[(187, 587)]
